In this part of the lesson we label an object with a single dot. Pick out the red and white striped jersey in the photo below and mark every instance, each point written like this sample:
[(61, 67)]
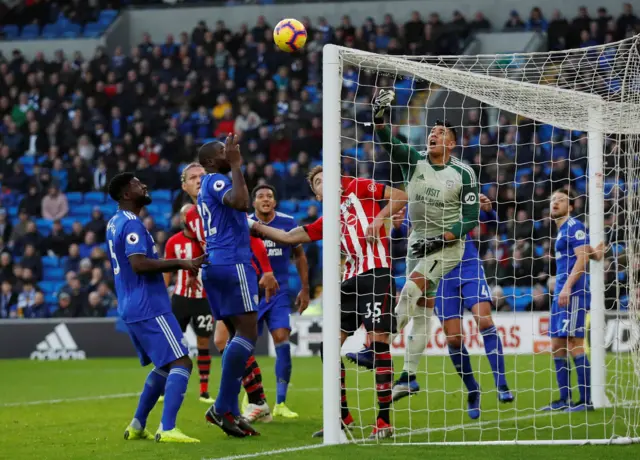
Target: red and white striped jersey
[(359, 206), (194, 223), (180, 246)]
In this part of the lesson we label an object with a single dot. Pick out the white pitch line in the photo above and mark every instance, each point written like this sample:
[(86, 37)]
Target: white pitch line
[(66, 400), (265, 453), (114, 396)]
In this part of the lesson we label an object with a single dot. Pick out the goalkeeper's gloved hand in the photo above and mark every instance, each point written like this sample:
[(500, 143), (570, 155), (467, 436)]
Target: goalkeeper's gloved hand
[(381, 104), (426, 246)]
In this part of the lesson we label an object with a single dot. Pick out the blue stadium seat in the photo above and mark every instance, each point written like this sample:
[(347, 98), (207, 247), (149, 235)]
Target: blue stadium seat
[(51, 298), (304, 205), (67, 222), (71, 31), (94, 198), (11, 31), (28, 160), (162, 221), (30, 31), (156, 209), (50, 262), (51, 287), (81, 210), (54, 274), (74, 198), (298, 216), (50, 31), (91, 33), (52, 307), (12, 211), (109, 209), (279, 168), (400, 282), (44, 226), (161, 195), (107, 16), (288, 207)]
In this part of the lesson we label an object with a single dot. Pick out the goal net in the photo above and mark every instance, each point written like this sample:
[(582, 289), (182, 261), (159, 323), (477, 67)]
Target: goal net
[(527, 125)]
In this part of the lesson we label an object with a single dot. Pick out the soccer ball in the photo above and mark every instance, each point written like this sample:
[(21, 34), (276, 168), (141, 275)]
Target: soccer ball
[(290, 35)]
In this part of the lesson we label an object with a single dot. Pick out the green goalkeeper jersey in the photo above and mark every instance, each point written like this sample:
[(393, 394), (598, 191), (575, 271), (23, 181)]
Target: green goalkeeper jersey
[(442, 198)]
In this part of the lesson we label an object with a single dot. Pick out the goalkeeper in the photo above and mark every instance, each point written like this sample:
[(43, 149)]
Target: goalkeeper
[(443, 208)]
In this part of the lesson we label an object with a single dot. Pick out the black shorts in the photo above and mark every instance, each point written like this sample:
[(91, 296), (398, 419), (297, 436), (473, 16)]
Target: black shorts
[(194, 311), (368, 299)]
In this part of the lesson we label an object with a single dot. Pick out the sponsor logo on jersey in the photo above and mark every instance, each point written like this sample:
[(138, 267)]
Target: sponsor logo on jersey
[(580, 235), (470, 198), (58, 344)]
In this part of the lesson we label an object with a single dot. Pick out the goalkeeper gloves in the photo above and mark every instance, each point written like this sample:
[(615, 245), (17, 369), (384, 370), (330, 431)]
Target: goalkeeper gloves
[(426, 246), (381, 104)]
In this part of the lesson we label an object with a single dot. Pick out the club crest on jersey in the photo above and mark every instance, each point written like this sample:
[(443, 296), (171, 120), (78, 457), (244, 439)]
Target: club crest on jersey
[(470, 198), (450, 184), (218, 185), (371, 187), (132, 238)]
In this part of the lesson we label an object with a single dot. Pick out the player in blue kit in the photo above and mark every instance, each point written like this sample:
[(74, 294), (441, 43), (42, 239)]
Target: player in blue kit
[(144, 305), (465, 287), (570, 305), (275, 312), (228, 277)]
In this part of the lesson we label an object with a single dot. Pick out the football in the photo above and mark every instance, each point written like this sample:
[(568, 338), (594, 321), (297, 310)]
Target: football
[(290, 35)]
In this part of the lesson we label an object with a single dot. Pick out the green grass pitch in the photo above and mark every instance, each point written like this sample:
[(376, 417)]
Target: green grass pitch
[(96, 400)]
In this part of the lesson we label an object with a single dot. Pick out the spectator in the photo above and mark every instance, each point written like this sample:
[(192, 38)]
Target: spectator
[(77, 233), (32, 202), (65, 309), (6, 267), (20, 229), (72, 263), (627, 22), (480, 23), (80, 177), (96, 307), (28, 305), (296, 187), (57, 243), (55, 205), (8, 299), (514, 23), (499, 300), (31, 236), (557, 32), (5, 226), (97, 225), (33, 261), (536, 21), (89, 243)]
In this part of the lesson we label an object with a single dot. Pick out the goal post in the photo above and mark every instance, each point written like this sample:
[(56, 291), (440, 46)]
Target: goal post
[(580, 113)]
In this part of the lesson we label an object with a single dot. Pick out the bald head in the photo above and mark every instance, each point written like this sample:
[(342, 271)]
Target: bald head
[(211, 156)]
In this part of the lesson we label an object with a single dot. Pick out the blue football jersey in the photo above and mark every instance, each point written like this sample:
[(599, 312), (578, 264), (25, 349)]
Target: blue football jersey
[(571, 235), (279, 254), (225, 229), (140, 297)]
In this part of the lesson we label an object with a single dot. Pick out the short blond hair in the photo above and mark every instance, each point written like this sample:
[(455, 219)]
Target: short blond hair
[(183, 176)]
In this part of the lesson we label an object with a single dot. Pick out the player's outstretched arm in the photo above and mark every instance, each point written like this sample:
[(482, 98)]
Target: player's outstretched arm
[(303, 298), (295, 236), (143, 265), (238, 197), (397, 200)]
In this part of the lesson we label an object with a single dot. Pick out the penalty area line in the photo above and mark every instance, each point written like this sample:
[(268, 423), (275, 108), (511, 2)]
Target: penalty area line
[(67, 400), (286, 450)]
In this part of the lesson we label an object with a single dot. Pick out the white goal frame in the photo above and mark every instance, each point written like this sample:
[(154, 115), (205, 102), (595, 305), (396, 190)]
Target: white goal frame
[(332, 86)]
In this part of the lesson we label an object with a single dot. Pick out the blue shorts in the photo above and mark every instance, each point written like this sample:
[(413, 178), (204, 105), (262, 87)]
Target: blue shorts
[(275, 313), (158, 340), (232, 290), (461, 288), (570, 321)]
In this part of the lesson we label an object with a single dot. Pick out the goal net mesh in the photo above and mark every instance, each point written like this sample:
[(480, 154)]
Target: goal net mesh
[(523, 124)]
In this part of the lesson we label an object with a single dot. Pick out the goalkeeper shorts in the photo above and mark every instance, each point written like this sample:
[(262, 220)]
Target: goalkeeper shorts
[(436, 265)]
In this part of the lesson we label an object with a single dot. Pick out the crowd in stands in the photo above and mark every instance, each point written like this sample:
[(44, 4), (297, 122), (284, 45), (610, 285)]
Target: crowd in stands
[(68, 124)]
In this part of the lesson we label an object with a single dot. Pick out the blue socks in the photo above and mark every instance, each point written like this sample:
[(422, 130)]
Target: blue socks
[(583, 369), (173, 396), (562, 376), (234, 361), (493, 349), (283, 370), (153, 388), (462, 363)]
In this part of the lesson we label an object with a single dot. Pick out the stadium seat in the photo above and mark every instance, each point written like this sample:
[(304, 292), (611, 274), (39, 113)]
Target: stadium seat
[(44, 226), (54, 273), (162, 221), (400, 282), (50, 286), (94, 198), (50, 31), (107, 17), (74, 198), (288, 207), (71, 31), (51, 298), (11, 31), (156, 209), (28, 160), (279, 168), (50, 262), (30, 31), (109, 209), (161, 195), (304, 205), (12, 211), (67, 222), (81, 210)]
